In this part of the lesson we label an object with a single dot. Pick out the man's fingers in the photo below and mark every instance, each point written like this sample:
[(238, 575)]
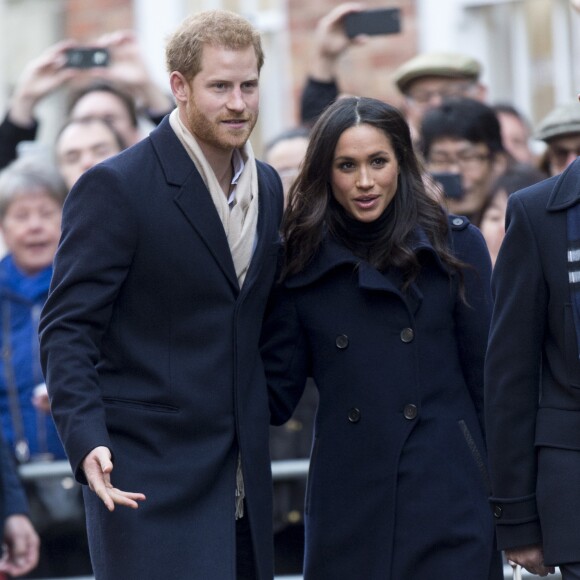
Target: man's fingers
[(98, 467), (102, 491), (126, 498), (104, 460), (112, 496)]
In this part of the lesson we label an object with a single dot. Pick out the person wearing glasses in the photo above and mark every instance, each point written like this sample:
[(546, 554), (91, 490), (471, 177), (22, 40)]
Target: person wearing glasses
[(560, 130), (424, 81), (462, 138)]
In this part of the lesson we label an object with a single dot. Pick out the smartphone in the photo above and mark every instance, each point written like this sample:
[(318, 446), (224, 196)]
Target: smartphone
[(372, 22), (450, 183), (87, 57)]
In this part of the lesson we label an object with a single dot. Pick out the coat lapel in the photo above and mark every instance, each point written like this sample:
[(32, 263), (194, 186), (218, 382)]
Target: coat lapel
[(194, 200), (566, 192), (333, 255), (193, 197)]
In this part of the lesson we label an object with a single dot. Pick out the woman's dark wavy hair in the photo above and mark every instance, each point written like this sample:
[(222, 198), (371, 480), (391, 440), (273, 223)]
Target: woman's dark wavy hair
[(310, 214)]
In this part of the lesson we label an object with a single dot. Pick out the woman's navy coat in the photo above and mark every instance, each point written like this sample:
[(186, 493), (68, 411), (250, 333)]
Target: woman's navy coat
[(398, 485)]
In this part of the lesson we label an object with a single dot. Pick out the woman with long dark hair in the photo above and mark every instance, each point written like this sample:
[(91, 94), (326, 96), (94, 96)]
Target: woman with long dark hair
[(384, 300)]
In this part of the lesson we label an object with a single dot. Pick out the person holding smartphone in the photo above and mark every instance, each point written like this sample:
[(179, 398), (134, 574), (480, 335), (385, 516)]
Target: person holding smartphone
[(116, 85), (424, 80), (462, 138)]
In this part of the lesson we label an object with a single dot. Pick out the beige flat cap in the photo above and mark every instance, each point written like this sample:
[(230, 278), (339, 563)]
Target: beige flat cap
[(447, 65)]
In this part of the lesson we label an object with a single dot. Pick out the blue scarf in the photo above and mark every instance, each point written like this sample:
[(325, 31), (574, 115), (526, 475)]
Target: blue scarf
[(573, 216)]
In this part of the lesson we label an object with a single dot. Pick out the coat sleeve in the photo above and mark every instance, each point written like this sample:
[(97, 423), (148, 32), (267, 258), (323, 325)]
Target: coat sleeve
[(99, 235), (316, 96), (512, 379), (285, 355), (473, 314), (10, 137)]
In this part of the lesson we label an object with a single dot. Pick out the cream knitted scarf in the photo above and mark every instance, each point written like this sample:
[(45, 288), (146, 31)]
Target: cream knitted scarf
[(241, 220)]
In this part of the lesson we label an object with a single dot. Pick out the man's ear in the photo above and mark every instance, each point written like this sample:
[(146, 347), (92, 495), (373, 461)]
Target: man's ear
[(179, 87)]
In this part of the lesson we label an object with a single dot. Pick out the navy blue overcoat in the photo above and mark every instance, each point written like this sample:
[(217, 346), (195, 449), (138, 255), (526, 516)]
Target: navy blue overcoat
[(398, 485), (533, 376), (150, 348)]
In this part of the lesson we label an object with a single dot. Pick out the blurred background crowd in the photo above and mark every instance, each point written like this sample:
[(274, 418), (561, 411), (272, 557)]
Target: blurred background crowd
[(488, 87)]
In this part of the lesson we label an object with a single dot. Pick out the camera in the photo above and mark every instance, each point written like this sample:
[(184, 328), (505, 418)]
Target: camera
[(87, 57)]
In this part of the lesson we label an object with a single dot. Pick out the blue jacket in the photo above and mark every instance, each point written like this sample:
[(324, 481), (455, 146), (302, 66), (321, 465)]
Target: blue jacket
[(21, 298), (397, 485), (12, 496)]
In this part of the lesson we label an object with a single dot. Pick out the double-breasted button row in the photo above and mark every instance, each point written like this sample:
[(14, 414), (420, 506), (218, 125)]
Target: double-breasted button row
[(410, 411), (407, 335)]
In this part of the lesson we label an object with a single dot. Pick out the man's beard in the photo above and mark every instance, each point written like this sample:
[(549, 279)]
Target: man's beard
[(215, 133)]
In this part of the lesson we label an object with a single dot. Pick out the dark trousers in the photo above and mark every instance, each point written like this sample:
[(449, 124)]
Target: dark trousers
[(245, 564), (570, 571)]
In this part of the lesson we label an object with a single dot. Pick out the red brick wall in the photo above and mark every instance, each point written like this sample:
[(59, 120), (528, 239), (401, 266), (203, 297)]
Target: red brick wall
[(87, 19)]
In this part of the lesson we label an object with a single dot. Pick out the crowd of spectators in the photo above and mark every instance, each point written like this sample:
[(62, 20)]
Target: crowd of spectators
[(485, 147)]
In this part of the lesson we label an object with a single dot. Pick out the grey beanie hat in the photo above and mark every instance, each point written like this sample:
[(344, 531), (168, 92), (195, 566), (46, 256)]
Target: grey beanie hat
[(562, 120)]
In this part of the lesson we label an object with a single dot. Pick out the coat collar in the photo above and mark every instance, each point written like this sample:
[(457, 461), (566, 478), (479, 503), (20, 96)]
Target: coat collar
[(194, 201), (333, 255), (566, 191)]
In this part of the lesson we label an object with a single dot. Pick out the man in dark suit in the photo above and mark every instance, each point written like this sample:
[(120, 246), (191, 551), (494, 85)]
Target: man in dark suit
[(532, 393), (21, 543), (149, 338)]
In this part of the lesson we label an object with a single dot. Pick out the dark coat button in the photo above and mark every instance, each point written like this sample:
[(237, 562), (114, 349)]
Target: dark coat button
[(342, 341), (497, 511), (407, 334), (354, 415), (410, 411)]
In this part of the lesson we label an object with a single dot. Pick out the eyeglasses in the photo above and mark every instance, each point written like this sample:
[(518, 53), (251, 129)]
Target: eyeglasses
[(464, 160), (424, 97)]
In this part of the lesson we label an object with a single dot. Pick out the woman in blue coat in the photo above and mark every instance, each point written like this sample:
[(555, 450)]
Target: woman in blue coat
[(385, 302), (31, 196)]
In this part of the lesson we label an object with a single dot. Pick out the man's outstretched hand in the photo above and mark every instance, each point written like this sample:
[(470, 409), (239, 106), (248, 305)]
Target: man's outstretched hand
[(98, 466)]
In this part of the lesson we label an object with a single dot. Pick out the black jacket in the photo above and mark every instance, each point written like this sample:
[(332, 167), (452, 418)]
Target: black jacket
[(150, 348), (533, 375)]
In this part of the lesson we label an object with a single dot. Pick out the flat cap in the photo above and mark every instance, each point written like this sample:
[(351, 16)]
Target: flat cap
[(562, 120), (449, 65)]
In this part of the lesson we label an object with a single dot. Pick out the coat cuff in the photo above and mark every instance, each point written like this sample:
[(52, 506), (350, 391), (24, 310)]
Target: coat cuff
[(517, 521)]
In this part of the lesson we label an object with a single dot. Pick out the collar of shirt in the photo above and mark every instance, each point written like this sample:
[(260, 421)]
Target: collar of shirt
[(238, 164)]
